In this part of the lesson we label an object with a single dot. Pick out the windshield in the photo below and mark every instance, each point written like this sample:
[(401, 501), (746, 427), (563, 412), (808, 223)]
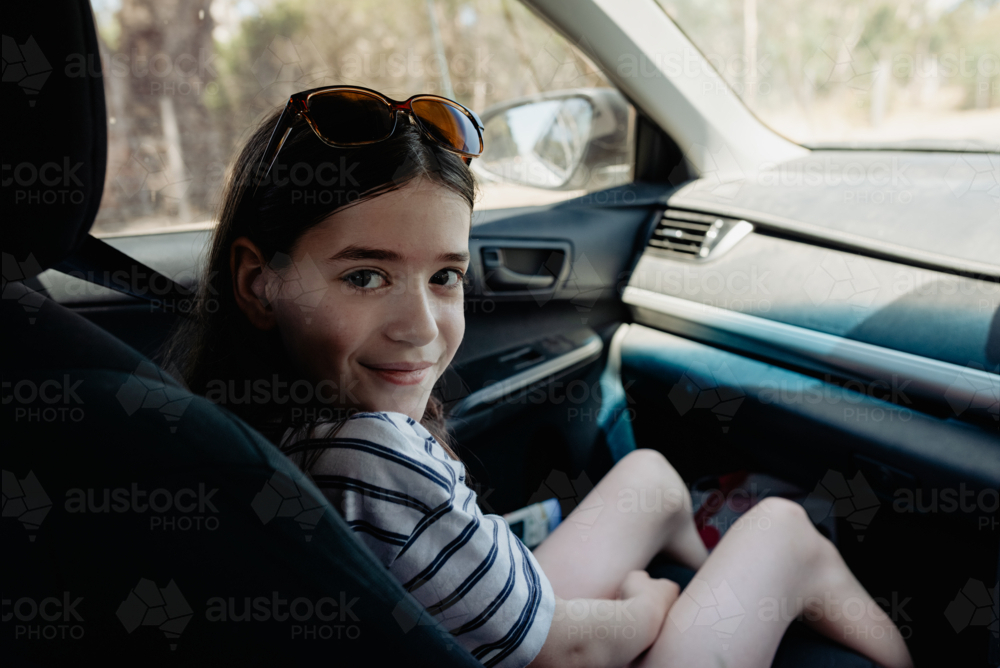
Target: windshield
[(879, 73)]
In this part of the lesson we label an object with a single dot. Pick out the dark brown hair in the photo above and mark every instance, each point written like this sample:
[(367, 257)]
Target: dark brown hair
[(309, 181)]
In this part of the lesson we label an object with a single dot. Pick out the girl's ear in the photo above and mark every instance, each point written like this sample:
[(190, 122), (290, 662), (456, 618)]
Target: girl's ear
[(248, 269)]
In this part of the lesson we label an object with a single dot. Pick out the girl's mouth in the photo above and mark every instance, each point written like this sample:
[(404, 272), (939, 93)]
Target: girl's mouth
[(401, 373)]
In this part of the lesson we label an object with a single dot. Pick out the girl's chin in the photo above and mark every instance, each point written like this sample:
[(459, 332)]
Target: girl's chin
[(410, 403)]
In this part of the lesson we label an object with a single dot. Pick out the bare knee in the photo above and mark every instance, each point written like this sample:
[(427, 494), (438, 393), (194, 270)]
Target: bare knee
[(650, 468), (650, 465), (782, 515), (782, 510), (787, 522), (649, 476)]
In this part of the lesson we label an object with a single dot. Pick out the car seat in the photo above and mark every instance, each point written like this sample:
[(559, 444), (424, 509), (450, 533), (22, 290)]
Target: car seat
[(143, 524)]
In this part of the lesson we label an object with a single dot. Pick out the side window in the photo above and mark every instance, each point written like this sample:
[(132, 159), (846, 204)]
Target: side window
[(186, 83)]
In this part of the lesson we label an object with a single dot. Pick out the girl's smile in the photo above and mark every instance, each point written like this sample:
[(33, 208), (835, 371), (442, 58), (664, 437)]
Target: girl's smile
[(401, 373)]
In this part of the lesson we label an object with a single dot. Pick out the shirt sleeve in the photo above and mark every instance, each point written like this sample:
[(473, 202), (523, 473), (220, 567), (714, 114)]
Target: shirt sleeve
[(407, 500)]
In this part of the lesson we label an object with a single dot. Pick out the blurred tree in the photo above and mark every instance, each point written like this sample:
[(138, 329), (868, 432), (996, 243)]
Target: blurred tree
[(161, 147)]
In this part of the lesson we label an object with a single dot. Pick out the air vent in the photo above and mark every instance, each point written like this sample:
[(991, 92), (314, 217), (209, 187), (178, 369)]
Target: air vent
[(696, 236)]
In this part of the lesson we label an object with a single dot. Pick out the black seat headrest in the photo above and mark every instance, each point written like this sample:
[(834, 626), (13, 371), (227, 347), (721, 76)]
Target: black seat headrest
[(55, 133)]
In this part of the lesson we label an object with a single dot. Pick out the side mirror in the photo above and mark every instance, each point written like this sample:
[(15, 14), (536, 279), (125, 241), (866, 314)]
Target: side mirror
[(566, 140)]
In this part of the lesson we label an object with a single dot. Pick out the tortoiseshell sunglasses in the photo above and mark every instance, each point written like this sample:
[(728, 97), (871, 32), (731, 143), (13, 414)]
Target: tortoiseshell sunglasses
[(347, 116)]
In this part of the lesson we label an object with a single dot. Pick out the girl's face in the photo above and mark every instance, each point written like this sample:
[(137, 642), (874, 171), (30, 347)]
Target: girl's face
[(370, 308)]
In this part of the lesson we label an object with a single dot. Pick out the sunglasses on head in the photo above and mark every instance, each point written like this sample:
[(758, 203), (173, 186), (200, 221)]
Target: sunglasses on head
[(348, 116)]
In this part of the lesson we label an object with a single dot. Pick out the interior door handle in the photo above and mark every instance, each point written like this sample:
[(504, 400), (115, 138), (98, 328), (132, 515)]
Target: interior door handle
[(500, 277), (508, 279)]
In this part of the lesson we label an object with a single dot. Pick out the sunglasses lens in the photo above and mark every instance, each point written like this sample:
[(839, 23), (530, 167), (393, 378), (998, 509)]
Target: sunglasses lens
[(348, 117), (448, 125)]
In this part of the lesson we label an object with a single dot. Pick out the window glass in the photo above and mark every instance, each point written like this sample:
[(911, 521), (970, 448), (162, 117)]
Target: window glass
[(910, 73), (187, 81)]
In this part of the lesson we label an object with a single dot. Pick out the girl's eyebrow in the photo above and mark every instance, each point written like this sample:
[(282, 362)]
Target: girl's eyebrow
[(354, 253), (459, 257)]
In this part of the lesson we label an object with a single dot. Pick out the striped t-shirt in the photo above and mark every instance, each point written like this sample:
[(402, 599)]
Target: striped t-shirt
[(407, 500)]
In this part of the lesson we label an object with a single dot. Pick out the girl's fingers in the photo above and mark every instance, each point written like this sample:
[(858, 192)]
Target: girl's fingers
[(671, 591)]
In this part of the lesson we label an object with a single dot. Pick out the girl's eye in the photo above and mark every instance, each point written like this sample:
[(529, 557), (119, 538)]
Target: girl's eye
[(366, 279), (448, 278)]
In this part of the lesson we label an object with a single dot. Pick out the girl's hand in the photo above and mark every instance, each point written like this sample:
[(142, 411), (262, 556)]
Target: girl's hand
[(660, 591), (578, 642)]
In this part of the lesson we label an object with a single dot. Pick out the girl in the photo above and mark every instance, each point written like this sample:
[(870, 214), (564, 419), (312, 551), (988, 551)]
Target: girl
[(337, 268)]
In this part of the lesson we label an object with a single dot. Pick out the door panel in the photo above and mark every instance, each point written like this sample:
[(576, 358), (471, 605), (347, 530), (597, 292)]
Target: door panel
[(560, 424)]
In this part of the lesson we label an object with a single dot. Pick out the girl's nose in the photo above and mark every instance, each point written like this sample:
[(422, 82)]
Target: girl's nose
[(412, 318)]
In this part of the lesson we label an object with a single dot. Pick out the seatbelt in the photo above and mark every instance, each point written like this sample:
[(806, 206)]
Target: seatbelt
[(102, 264)]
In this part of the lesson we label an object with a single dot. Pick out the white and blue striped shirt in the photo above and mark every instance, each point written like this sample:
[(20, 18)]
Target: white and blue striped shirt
[(407, 500)]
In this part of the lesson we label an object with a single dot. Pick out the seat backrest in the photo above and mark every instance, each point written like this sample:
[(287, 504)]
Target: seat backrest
[(140, 521)]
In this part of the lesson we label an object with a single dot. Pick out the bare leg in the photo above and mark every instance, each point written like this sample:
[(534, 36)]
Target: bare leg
[(770, 567), (639, 509)]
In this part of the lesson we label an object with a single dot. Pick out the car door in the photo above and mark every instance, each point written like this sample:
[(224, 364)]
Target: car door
[(809, 329), (745, 347)]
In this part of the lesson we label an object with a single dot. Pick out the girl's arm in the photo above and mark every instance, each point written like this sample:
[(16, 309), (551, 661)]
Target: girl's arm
[(602, 632)]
